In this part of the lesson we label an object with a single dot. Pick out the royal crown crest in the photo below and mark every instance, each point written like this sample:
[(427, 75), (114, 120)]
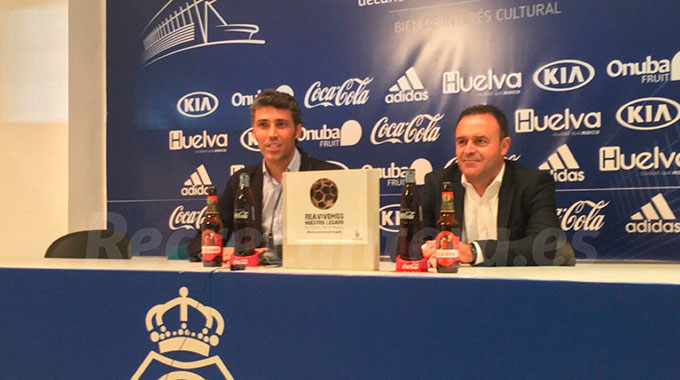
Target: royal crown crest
[(183, 338), (170, 326)]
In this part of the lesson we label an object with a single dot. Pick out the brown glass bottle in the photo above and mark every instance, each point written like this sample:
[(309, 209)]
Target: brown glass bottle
[(448, 224), (447, 216), (244, 218), (410, 220), (211, 232)]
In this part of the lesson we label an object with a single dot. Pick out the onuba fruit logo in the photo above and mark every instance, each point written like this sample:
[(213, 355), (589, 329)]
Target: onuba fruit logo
[(323, 193)]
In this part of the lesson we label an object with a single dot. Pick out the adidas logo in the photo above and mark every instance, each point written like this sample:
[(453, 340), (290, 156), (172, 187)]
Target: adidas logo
[(408, 81), (563, 166), (197, 183), (654, 217), (408, 89)]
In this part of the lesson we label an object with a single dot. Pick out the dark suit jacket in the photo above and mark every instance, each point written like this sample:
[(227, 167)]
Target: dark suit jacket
[(528, 229), (225, 202)]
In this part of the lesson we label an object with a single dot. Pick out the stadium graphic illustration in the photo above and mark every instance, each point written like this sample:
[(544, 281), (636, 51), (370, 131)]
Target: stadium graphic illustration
[(194, 24)]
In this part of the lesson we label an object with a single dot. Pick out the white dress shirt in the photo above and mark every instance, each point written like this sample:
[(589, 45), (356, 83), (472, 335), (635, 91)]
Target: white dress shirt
[(481, 213), (272, 202)]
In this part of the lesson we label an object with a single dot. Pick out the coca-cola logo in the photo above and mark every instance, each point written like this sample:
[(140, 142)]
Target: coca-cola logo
[(180, 219), (422, 128), (582, 216), (410, 266), (240, 261), (353, 91)]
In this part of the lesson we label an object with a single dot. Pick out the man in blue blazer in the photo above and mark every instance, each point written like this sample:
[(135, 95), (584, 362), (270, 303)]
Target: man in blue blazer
[(507, 212)]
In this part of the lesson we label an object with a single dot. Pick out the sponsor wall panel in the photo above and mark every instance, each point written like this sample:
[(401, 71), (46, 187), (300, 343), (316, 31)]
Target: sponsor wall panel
[(591, 97)]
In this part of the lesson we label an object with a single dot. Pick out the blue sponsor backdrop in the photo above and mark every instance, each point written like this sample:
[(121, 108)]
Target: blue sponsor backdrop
[(590, 91)]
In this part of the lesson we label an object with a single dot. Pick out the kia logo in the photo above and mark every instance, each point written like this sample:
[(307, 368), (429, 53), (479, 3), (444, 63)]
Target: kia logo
[(389, 217), (564, 75), (248, 141), (197, 104), (647, 114)]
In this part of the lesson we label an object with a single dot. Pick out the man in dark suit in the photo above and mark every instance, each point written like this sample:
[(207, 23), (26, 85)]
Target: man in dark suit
[(277, 123), (506, 212)]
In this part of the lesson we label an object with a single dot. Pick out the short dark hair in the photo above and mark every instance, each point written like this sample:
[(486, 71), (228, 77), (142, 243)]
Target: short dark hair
[(276, 99), (487, 109)]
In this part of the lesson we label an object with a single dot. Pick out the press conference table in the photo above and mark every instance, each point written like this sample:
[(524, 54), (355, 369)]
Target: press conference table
[(617, 272), (68, 318)]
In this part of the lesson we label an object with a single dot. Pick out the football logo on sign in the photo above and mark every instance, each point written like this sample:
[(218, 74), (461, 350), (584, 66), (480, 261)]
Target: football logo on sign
[(180, 332), (324, 193)]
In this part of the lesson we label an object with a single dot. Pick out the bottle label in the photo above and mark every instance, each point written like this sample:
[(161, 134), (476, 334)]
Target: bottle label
[(410, 176), (447, 201), (446, 244), (406, 214), (244, 180), (211, 244), (241, 214), (212, 204)]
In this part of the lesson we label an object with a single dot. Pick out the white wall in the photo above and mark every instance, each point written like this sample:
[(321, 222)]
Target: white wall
[(51, 169), (87, 114)]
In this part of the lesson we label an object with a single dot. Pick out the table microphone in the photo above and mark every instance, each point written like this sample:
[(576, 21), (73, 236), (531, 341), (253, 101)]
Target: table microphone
[(272, 255)]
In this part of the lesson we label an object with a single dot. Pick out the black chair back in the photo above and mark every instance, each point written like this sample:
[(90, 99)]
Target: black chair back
[(92, 244)]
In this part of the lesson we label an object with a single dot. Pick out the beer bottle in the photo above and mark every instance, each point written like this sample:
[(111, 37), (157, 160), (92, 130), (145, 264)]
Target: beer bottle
[(244, 219), (211, 232), (410, 220), (448, 239)]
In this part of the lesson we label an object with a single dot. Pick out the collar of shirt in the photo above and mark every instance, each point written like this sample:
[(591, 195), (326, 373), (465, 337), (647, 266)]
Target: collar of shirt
[(293, 166), (272, 202), (481, 212), (490, 192)]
